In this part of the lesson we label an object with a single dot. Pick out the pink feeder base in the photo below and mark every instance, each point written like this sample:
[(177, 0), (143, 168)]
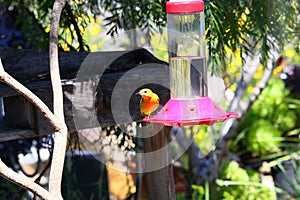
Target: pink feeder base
[(188, 112)]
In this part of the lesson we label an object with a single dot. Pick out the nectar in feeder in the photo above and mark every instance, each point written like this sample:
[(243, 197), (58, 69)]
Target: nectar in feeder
[(189, 103)]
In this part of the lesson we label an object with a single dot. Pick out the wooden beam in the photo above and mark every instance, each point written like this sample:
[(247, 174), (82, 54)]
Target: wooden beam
[(32, 65), (8, 134), (104, 71)]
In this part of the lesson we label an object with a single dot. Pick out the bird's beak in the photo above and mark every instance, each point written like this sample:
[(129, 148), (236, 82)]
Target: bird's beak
[(138, 93)]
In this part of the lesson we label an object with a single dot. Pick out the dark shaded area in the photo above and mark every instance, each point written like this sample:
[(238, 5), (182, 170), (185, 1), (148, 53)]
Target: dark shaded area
[(84, 177), (291, 78), (115, 71), (10, 28)]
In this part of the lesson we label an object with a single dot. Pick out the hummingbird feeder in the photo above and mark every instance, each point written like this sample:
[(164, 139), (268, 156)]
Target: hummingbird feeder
[(189, 103)]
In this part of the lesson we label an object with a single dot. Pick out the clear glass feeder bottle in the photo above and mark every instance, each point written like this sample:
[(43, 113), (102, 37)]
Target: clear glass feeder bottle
[(186, 44)]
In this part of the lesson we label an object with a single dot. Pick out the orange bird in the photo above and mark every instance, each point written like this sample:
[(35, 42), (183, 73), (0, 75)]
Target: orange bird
[(149, 102)]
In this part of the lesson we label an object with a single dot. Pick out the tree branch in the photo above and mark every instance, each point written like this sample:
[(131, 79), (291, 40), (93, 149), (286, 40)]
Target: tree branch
[(73, 21), (24, 182), (7, 79), (230, 125), (9, 174), (60, 139)]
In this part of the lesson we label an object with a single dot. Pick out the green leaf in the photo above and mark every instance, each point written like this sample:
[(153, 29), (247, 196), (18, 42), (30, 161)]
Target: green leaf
[(261, 136)]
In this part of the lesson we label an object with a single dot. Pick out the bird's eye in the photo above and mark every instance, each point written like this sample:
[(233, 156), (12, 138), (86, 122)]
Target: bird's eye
[(145, 91)]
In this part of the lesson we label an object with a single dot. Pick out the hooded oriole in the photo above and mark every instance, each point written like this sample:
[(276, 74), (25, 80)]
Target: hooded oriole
[(149, 102)]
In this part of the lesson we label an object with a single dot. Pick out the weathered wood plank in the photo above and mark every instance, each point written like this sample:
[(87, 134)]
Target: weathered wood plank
[(32, 65), (8, 134), (101, 111), (103, 95)]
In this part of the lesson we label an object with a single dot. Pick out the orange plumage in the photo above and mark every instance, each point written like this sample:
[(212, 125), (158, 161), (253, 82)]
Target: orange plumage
[(149, 102)]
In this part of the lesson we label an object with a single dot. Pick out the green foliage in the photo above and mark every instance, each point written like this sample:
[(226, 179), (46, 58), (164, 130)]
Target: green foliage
[(37, 15), (198, 192), (232, 171), (77, 186), (268, 120), (245, 25), (70, 190), (237, 183), (250, 25), (180, 196), (134, 14), (74, 20), (291, 177), (203, 137), (8, 190), (262, 138)]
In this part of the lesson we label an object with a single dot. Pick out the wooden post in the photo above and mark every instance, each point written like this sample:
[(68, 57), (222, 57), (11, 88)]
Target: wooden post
[(160, 182)]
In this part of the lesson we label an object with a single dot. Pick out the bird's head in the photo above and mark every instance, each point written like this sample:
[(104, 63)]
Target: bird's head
[(147, 94)]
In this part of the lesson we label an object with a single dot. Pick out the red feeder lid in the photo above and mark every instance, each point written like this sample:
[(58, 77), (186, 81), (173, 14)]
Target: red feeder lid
[(185, 7)]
